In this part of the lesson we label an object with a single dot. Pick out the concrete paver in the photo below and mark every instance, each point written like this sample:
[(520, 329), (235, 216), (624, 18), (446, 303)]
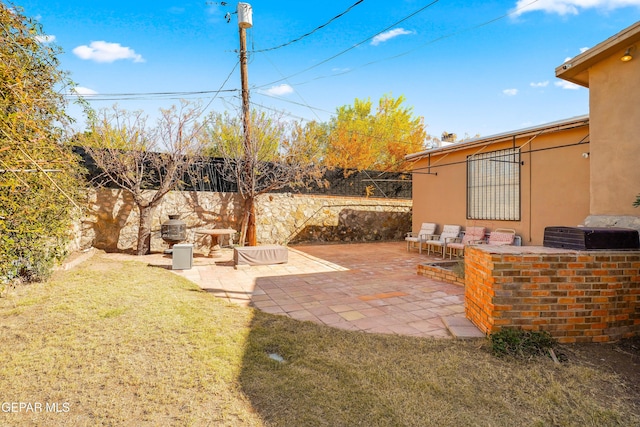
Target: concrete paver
[(370, 287)]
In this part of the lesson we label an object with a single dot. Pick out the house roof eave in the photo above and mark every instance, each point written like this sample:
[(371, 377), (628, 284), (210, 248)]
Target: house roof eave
[(576, 70), (505, 136)]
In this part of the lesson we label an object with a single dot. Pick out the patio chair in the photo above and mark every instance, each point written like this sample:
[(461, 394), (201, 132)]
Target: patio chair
[(427, 229), (501, 237), (471, 235), (449, 233)]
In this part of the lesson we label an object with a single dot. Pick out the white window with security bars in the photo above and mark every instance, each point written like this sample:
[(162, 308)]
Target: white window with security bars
[(493, 185)]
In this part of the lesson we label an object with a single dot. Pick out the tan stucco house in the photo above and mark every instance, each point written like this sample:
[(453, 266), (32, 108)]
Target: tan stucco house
[(582, 170)]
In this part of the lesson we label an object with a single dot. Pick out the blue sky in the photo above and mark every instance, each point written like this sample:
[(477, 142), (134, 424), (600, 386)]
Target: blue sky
[(468, 67)]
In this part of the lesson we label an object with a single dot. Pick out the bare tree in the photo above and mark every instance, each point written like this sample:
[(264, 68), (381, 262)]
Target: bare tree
[(281, 154), (146, 162)]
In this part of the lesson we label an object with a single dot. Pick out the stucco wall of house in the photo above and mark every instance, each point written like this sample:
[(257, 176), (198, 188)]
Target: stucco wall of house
[(614, 88), (554, 185)]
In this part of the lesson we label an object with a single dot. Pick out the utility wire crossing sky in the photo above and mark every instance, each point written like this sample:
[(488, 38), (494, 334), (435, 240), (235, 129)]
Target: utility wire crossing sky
[(468, 67)]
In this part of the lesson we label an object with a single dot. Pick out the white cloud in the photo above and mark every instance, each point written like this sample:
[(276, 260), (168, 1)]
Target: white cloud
[(45, 39), (563, 84), (283, 89), (584, 49), (510, 92), (539, 84), (83, 91), (102, 51), (381, 38), (570, 7)]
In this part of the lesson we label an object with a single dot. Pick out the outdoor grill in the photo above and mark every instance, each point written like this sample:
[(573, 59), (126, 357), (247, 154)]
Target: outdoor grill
[(591, 238), (173, 231)]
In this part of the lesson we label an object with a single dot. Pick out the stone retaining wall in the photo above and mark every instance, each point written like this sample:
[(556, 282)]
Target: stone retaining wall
[(591, 296), (112, 219)]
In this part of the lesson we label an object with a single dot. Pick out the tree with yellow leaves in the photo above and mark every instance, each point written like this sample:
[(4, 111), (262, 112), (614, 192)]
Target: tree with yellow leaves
[(360, 138)]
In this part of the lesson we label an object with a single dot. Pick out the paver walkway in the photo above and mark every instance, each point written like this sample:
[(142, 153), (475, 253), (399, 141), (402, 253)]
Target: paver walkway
[(370, 287)]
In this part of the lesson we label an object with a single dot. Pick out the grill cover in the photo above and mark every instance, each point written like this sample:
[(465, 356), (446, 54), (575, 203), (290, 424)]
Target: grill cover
[(590, 238), (260, 255)]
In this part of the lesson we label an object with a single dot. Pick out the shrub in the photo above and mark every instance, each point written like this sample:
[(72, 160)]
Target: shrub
[(458, 269), (39, 178), (521, 343)]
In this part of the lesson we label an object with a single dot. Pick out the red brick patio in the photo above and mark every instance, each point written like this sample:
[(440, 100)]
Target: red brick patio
[(371, 287)]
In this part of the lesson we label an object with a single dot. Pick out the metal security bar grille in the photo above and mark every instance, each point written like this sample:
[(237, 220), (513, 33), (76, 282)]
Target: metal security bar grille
[(493, 185)]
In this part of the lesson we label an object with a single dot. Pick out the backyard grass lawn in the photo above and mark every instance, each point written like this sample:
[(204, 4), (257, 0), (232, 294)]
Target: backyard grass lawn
[(121, 343)]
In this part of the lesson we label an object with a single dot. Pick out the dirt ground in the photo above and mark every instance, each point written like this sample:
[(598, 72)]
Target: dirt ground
[(621, 357)]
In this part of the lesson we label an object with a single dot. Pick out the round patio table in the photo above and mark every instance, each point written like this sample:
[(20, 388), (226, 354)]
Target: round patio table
[(215, 251)]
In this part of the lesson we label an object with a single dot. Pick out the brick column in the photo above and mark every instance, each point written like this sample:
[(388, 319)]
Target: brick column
[(577, 296)]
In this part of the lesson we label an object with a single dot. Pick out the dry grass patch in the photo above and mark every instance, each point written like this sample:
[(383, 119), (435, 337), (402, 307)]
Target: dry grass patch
[(338, 378), (123, 344), (127, 344)]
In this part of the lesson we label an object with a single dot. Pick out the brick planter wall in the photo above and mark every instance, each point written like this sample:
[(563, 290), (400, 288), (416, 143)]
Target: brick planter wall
[(577, 296), (436, 272)]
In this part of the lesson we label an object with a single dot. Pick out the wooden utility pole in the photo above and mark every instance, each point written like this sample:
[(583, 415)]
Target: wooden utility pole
[(244, 77), (244, 22)]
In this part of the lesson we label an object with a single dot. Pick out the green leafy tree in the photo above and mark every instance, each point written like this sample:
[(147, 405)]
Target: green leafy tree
[(147, 162), (229, 136), (39, 185), (307, 142), (280, 154), (361, 138)]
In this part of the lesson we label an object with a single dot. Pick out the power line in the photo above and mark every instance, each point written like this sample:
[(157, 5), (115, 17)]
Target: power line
[(138, 96), (350, 131), (354, 46), (160, 95), (312, 31), (446, 36), (275, 110), (296, 92), (296, 103), (220, 89), (149, 96), (142, 95)]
